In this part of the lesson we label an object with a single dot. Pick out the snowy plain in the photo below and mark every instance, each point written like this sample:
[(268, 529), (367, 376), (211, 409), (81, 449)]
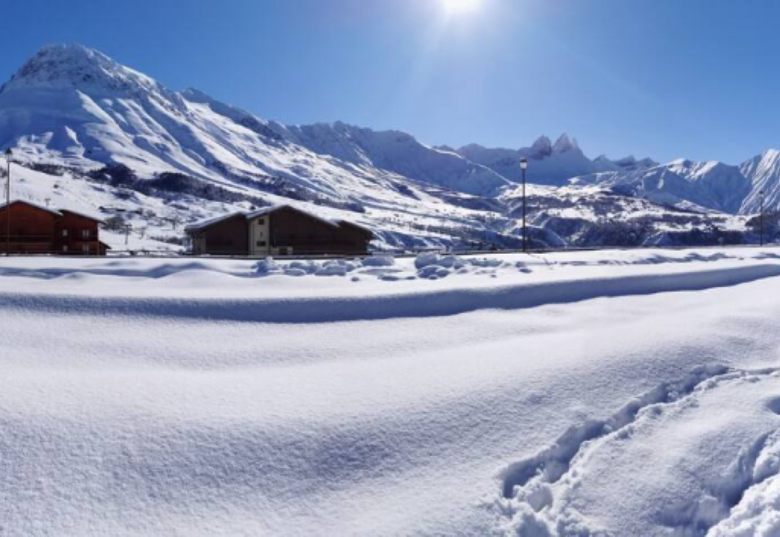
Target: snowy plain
[(584, 393)]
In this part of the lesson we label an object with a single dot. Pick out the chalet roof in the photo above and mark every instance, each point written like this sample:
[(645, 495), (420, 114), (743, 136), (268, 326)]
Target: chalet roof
[(31, 204), (56, 212), (83, 215), (274, 208), (203, 224), (353, 224), (251, 215), (263, 211)]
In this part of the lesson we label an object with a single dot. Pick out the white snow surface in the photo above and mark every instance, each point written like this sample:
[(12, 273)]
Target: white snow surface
[(614, 393)]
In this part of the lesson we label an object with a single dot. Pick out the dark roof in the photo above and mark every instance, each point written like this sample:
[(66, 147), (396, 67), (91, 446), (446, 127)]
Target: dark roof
[(203, 224), (56, 212), (83, 215), (31, 204), (250, 215)]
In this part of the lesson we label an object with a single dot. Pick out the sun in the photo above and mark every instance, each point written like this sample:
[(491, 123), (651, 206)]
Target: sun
[(460, 7)]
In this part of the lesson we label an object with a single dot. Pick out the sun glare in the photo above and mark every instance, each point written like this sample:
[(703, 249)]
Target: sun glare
[(460, 7)]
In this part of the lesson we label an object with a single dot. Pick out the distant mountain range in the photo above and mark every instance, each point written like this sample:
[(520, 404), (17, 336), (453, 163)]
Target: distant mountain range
[(74, 109)]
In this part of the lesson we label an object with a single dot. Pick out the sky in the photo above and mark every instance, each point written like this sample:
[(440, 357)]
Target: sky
[(659, 78)]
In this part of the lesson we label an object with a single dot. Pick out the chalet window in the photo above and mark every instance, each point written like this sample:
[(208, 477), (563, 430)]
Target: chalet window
[(261, 222), (85, 233), (85, 248), (262, 243), (64, 232), (64, 247)]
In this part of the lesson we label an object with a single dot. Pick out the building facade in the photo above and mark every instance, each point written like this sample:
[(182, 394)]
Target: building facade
[(35, 229), (280, 230)]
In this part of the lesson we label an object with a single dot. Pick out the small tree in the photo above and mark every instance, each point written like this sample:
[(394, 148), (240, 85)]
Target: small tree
[(114, 223)]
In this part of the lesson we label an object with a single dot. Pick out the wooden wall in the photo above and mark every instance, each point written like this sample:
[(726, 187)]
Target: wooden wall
[(32, 229), (308, 235), (35, 230), (76, 235), (289, 228), (229, 237)]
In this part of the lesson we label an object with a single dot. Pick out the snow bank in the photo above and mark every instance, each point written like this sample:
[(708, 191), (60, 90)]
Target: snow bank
[(427, 266), (426, 303)]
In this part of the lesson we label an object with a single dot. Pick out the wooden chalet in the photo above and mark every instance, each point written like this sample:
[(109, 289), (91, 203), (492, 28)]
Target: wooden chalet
[(35, 229), (279, 230)]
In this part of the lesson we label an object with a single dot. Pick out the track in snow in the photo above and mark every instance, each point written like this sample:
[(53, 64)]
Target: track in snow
[(540, 494)]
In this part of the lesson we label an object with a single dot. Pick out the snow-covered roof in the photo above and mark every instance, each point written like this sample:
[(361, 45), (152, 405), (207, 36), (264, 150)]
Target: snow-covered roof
[(56, 212), (353, 224), (32, 204), (198, 226), (274, 208), (84, 215), (265, 210)]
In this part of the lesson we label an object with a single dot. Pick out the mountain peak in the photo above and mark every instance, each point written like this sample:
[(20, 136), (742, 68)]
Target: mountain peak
[(565, 143), (542, 147), (80, 67), (772, 154)]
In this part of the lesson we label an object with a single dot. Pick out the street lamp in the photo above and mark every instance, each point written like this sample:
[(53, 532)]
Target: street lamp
[(761, 217), (524, 167), (8, 155)]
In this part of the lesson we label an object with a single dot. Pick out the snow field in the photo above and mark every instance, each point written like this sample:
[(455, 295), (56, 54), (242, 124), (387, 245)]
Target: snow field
[(122, 415)]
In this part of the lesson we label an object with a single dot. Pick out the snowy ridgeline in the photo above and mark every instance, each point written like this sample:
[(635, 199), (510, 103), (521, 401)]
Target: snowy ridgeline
[(156, 158), (588, 393)]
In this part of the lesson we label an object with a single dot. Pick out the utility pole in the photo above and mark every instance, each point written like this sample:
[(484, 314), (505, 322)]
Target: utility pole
[(8, 154), (524, 167)]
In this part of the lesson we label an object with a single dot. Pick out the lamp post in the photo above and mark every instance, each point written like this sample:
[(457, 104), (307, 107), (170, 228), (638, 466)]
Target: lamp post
[(524, 167), (8, 154), (761, 217)]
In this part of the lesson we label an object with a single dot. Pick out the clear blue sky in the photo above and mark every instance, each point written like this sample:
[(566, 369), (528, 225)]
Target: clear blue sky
[(660, 78)]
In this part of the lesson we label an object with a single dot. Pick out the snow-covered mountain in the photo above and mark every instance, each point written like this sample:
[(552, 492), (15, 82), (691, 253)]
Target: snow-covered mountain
[(398, 152), (549, 164), (683, 183), (80, 118), (77, 107), (73, 107), (763, 172), (712, 186)]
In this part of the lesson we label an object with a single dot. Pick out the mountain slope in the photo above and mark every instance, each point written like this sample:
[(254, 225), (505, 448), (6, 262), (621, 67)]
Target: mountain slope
[(712, 185), (75, 108), (398, 152), (763, 172)]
